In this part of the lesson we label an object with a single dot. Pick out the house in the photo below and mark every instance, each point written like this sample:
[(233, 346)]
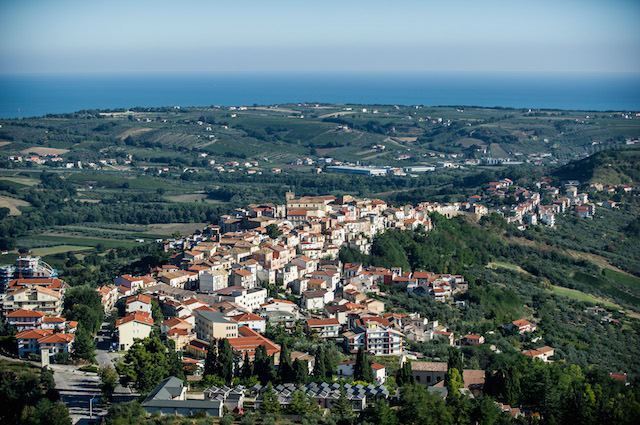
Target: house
[(542, 353), (170, 398), (57, 343), (253, 321), (109, 294), (28, 341), (379, 371), (136, 325), (428, 373), (25, 319), (214, 280), (324, 328), (249, 340), (472, 339), (138, 303), (522, 325), (213, 325), (315, 300), (242, 277), (33, 297), (233, 398), (249, 299)]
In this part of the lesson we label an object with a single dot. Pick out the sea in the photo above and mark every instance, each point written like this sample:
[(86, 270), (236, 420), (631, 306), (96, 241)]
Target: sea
[(32, 95)]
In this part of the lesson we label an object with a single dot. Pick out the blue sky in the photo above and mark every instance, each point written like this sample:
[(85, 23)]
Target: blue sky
[(300, 35)]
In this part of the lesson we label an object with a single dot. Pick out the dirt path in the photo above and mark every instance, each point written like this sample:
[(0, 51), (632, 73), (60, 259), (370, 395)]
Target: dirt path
[(337, 114), (133, 131)]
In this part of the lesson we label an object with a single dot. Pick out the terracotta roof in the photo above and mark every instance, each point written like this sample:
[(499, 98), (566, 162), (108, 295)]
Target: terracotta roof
[(429, 366), (54, 320), (322, 322), (377, 366), (33, 334), (142, 298), (247, 317), (25, 313), (57, 338), (138, 316), (522, 323)]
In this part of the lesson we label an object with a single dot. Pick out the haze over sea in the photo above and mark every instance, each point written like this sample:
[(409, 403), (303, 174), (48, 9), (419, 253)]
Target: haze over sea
[(37, 95)]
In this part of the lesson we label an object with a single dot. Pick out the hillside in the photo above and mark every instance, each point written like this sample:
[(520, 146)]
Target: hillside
[(608, 168)]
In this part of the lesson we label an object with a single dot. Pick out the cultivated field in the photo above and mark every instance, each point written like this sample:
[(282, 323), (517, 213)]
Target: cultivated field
[(12, 204)]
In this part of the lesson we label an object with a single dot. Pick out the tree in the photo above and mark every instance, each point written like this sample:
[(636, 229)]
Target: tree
[(300, 404), (382, 414), (455, 360), (286, 368), (420, 407), (362, 370), (300, 371), (270, 403), (320, 371), (211, 360), (247, 368), (453, 382), (145, 364), (108, 382), (342, 408), (84, 305), (84, 346), (272, 231), (405, 374), (225, 360)]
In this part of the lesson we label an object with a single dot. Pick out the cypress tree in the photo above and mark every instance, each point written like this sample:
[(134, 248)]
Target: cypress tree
[(211, 361), (247, 368), (319, 371), (405, 375), (362, 370), (455, 360), (225, 360), (300, 371), (342, 407), (286, 368)]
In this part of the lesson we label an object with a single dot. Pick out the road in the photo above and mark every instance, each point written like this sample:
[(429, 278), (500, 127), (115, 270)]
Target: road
[(77, 387)]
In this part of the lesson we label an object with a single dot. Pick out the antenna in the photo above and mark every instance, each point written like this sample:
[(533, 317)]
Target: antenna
[(19, 113)]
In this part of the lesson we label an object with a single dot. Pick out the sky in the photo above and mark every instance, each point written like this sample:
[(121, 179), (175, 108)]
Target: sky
[(70, 37)]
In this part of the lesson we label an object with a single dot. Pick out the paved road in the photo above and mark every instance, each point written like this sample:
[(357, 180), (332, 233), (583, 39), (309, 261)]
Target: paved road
[(76, 389)]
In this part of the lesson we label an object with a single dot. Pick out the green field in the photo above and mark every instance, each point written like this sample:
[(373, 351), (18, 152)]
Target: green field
[(581, 296), (59, 249), (623, 278)]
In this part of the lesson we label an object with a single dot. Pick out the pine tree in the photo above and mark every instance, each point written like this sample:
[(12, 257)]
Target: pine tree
[(382, 414), (211, 361), (83, 345), (286, 368), (270, 403), (342, 407), (300, 404)]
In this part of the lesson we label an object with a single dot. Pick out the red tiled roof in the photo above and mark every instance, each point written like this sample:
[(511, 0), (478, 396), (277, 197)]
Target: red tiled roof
[(33, 334), (25, 313), (322, 322), (138, 316), (246, 317), (57, 338), (142, 298)]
